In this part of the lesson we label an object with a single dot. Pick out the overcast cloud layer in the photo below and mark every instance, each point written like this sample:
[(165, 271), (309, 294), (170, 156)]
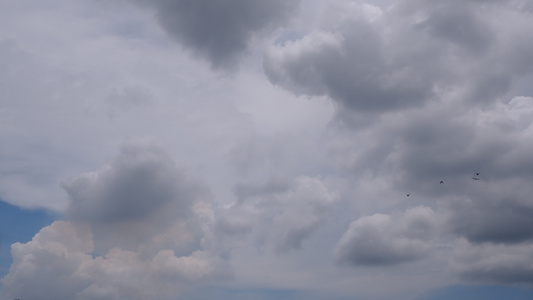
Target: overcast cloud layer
[(331, 149)]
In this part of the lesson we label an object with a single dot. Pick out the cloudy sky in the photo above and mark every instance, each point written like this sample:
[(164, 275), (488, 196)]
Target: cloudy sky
[(251, 149)]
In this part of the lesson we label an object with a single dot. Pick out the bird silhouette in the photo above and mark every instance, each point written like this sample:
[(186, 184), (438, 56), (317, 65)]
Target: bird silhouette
[(441, 182), (477, 174), (475, 178), (408, 195)]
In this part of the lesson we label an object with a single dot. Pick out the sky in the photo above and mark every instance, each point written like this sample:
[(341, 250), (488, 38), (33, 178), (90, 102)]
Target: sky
[(282, 149)]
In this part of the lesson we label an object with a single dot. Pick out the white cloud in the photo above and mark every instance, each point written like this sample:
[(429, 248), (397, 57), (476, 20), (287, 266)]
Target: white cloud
[(293, 210)]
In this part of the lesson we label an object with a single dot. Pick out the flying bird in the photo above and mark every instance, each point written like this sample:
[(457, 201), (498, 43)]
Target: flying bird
[(408, 195), (475, 178), (441, 182), (477, 174)]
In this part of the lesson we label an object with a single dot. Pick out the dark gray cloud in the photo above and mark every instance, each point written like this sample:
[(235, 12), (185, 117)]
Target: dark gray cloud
[(136, 229), (141, 195), (458, 26), (349, 67), (220, 30), (478, 44), (445, 147), (493, 219), (141, 181), (413, 151), (458, 114), (411, 54), (493, 263), (416, 149), (381, 240)]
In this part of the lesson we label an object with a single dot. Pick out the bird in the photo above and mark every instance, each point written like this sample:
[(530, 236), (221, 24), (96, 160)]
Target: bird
[(475, 178), (408, 195), (477, 174), (441, 182)]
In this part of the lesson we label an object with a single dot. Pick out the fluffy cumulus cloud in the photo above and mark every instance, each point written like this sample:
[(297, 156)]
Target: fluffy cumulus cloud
[(136, 229), (365, 149), (418, 87), (482, 208), (372, 60), (220, 31), (388, 239), (59, 263), (140, 196)]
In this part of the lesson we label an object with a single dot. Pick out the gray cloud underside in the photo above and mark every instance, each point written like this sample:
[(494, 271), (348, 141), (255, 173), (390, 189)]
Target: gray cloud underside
[(142, 194), (220, 31), (381, 240), (412, 53), (414, 152), (135, 229), (494, 263), (503, 220)]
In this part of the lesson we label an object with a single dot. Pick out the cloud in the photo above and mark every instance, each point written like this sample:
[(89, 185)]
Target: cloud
[(411, 152), (141, 195), (274, 186), (415, 52), (59, 265), (381, 240), (494, 263), (348, 62), (492, 219), (220, 31), (293, 208), (139, 182), (136, 229), (303, 182), (440, 144)]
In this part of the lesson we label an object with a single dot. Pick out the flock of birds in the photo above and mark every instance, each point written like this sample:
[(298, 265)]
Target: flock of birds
[(442, 181)]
